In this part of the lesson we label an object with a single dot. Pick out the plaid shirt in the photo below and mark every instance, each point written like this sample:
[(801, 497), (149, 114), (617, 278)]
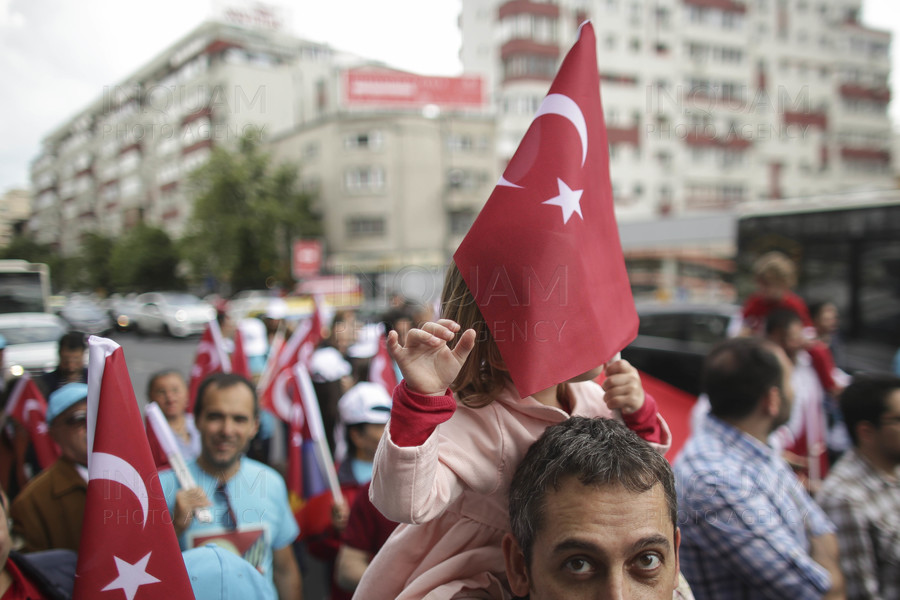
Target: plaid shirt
[(864, 505), (745, 520)]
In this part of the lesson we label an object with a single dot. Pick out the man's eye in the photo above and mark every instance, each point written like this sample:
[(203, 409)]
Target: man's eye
[(579, 565), (649, 561)]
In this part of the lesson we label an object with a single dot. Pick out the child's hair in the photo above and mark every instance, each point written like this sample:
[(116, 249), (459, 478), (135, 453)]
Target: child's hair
[(484, 373), (775, 267)]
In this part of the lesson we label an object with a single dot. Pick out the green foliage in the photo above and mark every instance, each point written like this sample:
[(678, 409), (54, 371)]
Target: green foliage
[(91, 267), (144, 259), (247, 211)]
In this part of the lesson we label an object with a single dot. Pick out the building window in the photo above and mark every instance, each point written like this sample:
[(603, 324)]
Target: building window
[(364, 179), (365, 226), (368, 139), (460, 221)]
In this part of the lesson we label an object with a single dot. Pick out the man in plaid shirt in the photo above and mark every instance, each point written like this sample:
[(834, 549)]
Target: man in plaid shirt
[(862, 493), (748, 528)]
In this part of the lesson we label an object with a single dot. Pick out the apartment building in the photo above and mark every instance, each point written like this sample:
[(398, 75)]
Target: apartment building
[(401, 168), (401, 163), (126, 157), (15, 208), (708, 103)]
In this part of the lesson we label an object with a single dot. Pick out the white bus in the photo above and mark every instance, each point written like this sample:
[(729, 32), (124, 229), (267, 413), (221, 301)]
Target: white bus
[(24, 286)]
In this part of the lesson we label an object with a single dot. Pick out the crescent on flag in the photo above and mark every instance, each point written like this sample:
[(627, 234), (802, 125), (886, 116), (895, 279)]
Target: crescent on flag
[(562, 105), (30, 405), (114, 468)]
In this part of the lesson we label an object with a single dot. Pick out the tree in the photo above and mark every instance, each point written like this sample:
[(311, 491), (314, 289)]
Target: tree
[(144, 259), (247, 211), (92, 265)]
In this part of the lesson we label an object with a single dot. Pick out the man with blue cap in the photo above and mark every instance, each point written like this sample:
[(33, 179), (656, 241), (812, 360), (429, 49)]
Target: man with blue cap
[(48, 513)]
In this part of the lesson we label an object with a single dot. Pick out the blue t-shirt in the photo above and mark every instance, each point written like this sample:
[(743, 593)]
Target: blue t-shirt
[(259, 503)]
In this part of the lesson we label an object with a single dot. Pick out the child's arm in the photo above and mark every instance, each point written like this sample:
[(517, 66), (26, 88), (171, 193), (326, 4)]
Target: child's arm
[(409, 483), (623, 391)]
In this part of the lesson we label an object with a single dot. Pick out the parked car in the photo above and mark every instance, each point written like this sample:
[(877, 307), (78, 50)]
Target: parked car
[(122, 310), (178, 314), (84, 314), (32, 341), (674, 339)]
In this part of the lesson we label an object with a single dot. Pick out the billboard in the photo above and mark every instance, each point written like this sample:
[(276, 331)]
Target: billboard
[(367, 87)]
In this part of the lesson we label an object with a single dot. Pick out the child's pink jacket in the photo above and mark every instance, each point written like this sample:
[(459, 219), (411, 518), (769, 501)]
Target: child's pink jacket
[(450, 496)]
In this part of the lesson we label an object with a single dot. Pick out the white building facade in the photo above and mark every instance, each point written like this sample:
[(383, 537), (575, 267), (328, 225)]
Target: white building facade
[(708, 103)]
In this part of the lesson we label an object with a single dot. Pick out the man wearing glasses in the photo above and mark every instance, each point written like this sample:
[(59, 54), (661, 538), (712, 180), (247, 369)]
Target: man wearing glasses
[(862, 492), (48, 512), (247, 500)]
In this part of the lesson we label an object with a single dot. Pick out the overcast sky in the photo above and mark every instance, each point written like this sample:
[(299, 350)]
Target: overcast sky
[(56, 55)]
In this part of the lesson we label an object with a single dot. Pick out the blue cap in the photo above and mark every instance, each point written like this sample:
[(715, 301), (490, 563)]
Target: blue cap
[(2, 342), (217, 574), (63, 398)]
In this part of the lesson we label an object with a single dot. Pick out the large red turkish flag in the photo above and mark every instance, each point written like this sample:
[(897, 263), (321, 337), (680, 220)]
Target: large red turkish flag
[(543, 259), (26, 405), (128, 549)]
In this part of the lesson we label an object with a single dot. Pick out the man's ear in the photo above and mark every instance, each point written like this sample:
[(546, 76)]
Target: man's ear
[(677, 560), (772, 402), (516, 567)]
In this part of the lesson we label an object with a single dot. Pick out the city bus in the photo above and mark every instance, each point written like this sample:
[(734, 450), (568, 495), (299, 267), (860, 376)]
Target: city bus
[(24, 286)]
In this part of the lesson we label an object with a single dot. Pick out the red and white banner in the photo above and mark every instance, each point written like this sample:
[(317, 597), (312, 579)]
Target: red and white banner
[(397, 89), (128, 547)]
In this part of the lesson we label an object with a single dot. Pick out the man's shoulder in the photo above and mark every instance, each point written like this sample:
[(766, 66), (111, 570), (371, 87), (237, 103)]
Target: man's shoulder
[(44, 483), (843, 486)]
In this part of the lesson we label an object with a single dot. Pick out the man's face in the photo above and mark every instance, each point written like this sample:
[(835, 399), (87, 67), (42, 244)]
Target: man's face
[(71, 361), (603, 542), (69, 430), (887, 434), (171, 393), (226, 425)]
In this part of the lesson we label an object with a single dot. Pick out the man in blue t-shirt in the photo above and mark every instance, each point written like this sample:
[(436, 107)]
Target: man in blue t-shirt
[(248, 500)]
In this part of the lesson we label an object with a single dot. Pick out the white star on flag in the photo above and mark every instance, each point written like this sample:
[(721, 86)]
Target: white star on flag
[(568, 200), (131, 576)]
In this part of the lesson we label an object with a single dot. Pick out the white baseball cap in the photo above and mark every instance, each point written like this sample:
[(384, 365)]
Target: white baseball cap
[(365, 403)]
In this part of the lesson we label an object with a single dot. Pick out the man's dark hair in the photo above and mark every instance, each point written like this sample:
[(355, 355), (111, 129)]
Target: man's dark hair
[(737, 374), (222, 381), (163, 373), (781, 319), (598, 452), (73, 340), (865, 400)]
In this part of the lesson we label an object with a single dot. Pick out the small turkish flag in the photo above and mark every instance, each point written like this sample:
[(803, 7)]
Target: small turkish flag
[(239, 362), (128, 547), (381, 369), (211, 358), (27, 406), (274, 395), (543, 259)]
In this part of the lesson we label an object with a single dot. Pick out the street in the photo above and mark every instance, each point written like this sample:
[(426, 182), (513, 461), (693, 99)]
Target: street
[(148, 354)]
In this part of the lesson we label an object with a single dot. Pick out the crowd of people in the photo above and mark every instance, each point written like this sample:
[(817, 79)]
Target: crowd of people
[(454, 486)]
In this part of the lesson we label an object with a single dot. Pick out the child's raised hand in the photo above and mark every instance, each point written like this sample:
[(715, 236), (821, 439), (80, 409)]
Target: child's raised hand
[(623, 387), (427, 363)]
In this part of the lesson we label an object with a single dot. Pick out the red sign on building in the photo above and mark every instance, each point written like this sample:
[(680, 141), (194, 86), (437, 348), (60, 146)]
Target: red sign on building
[(307, 258), (396, 89)]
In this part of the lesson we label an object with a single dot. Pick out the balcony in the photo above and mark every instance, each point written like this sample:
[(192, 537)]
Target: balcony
[(861, 92), (807, 119), (527, 7)]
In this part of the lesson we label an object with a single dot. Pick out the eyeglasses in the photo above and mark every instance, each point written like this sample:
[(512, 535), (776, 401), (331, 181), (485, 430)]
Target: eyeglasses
[(891, 420), (76, 419), (231, 520)]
